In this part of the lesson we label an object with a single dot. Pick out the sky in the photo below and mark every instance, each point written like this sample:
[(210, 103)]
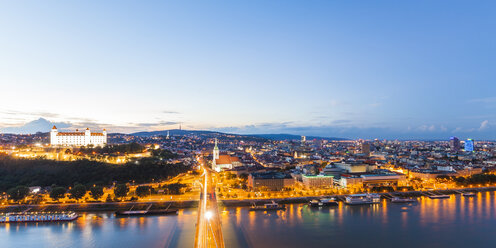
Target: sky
[(352, 69)]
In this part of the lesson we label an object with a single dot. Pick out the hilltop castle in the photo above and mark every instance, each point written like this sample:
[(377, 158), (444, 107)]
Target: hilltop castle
[(77, 138)]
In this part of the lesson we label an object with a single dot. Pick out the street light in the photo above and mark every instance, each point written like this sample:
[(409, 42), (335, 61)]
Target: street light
[(208, 215)]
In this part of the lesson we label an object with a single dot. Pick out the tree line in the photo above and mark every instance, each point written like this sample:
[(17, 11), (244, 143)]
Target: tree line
[(113, 149), (475, 179), (40, 172), (96, 192)]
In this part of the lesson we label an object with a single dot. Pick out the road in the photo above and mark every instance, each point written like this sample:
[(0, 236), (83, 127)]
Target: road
[(208, 226)]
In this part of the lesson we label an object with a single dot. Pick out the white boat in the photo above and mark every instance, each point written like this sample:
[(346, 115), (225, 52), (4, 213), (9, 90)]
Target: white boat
[(38, 217), (469, 194), (361, 199)]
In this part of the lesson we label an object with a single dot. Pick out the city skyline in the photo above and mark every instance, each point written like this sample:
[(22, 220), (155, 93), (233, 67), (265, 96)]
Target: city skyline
[(375, 70)]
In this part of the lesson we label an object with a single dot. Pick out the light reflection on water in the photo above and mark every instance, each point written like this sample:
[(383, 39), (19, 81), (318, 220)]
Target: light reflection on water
[(454, 222)]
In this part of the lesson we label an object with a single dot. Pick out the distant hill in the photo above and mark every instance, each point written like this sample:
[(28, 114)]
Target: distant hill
[(202, 132), (173, 132), (284, 136), (39, 125)]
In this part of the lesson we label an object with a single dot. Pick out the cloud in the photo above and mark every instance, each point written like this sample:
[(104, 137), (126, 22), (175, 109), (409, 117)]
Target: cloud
[(28, 113), (341, 122), (44, 125), (484, 125), (424, 128), (152, 124), (375, 104), (483, 100), (169, 112), (458, 129)]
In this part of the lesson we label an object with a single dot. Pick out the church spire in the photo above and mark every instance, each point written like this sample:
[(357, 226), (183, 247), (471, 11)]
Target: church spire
[(216, 152)]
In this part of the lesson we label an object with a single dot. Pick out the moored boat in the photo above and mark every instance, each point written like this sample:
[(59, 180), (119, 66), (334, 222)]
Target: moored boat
[(147, 211), (268, 207), (362, 199), (329, 202), (402, 200), (38, 217), (314, 203), (469, 194), (439, 196)]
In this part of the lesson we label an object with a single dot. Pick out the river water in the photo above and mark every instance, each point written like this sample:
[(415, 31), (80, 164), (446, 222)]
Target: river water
[(455, 222)]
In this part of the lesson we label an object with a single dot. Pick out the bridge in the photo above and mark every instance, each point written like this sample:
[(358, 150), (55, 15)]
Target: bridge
[(208, 225)]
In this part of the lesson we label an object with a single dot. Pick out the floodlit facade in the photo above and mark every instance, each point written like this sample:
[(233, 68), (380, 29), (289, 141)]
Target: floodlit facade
[(77, 138), (317, 181), (221, 162)]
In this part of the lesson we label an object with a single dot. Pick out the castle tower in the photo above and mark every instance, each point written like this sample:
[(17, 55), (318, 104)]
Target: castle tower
[(87, 137), (53, 136), (105, 135)]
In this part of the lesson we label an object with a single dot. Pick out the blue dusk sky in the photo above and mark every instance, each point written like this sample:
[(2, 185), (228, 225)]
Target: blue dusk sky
[(353, 69)]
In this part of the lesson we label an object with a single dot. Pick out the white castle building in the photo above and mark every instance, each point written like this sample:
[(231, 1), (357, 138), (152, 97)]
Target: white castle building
[(77, 138)]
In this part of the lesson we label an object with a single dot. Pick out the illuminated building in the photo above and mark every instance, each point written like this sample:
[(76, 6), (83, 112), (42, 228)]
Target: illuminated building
[(317, 181), (454, 144), (77, 138), (220, 162), (469, 145), (273, 181)]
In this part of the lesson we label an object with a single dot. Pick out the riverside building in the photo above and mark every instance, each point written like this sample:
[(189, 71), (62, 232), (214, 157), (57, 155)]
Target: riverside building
[(77, 138)]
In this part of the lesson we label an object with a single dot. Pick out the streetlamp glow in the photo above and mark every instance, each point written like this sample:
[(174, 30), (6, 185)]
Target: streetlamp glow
[(208, 215)]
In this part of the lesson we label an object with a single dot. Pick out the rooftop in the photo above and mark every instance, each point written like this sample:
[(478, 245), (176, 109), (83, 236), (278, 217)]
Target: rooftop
[(271, 175)]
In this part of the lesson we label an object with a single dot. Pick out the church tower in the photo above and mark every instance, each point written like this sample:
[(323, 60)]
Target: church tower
[(215, 154)]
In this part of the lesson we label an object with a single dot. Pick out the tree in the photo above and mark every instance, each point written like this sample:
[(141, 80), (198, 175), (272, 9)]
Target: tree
[(142, 191), (78, 191), (175, 188), (121, 190), (18, 193), (57, 193), (64, 173), (96, 192)]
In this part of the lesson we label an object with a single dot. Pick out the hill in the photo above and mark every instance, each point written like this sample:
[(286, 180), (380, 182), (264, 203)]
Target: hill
[(283, 136), (202, 132)]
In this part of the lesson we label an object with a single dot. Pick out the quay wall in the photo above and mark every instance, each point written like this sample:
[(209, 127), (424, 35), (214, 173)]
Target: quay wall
[(116, 206)]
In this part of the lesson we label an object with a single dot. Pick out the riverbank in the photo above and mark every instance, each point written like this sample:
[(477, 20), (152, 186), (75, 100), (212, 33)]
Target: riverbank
[(117, 206)]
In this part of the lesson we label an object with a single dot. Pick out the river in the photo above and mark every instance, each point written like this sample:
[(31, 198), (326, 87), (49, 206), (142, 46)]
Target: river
[(455, 222)]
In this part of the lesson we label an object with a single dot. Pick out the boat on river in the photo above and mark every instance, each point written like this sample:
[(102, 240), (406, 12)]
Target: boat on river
[(38, 217), (468, 194), (268, 207), (439, 196), (327, 202), (403, 200), (147, 211), (362, 199), (314, 203)]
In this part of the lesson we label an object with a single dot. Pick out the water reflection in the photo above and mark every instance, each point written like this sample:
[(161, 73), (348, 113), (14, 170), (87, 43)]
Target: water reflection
[(429, 223)]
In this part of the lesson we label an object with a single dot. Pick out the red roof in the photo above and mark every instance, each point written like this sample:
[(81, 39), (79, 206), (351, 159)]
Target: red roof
[(226, 159), (71, 134), (78, 134)]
